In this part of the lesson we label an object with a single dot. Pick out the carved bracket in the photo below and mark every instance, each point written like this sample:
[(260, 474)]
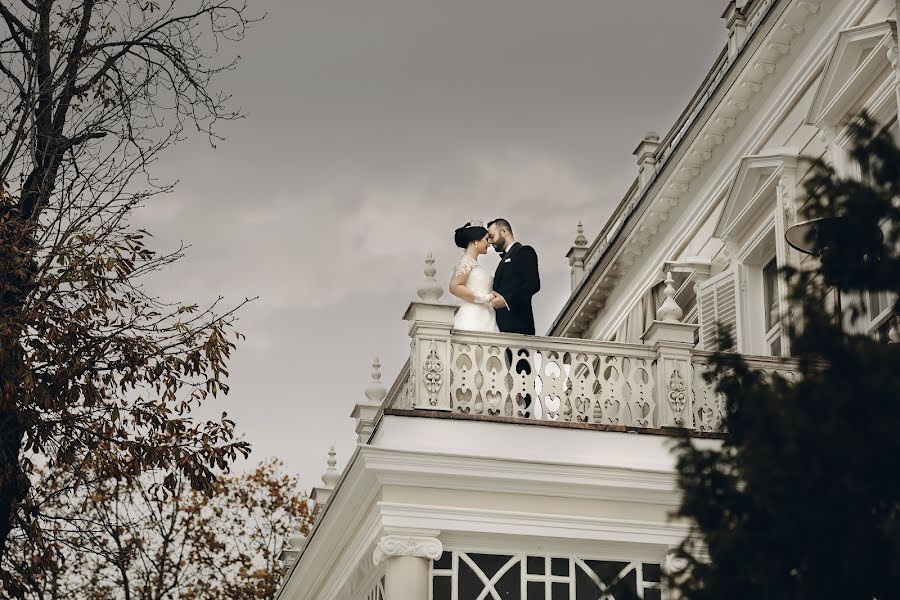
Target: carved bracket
[(433, 374), (676, 392)]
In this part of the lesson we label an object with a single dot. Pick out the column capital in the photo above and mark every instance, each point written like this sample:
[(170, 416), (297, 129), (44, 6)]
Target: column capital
[(405, 545)]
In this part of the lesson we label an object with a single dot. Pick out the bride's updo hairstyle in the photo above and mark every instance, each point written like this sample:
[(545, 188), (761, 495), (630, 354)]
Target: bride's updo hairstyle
[(468, 233)]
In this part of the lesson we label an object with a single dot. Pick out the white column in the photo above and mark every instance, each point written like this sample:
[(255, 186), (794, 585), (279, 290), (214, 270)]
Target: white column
[(407, 560)]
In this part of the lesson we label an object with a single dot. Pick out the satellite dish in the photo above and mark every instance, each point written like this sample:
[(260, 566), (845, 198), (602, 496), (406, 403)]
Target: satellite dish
[(802, 236)]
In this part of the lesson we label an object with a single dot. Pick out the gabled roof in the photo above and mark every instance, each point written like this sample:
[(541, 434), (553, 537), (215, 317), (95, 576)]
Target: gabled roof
[(756, 177), (858, 56)]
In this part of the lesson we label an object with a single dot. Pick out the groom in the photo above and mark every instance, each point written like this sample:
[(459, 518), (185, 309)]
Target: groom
[(515, 281)]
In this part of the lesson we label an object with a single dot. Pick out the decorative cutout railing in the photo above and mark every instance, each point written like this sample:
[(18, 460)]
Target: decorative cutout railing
[(709, 404), (400, 395), (552, 380), (654, 385)]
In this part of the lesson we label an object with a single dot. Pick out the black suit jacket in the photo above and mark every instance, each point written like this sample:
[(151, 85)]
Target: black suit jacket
[(517, 280)]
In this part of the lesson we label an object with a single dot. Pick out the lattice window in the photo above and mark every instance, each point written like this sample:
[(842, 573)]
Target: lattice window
[(377, 592), (473, 576)]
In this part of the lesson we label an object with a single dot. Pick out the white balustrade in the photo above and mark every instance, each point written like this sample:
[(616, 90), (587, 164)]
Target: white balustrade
[(709, 403), (659, 384), (582, 382), (552, 379)]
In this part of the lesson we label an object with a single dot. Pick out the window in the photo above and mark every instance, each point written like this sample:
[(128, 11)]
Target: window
[(894, 129), (751, 226), (468, 576), (718, 310), (744, 302), (377, 592), (879, 305), (882, 333), (878, 313), (771, 307)]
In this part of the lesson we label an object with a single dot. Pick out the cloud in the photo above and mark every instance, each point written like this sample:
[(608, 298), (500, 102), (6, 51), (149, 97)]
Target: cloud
[(376, 129), (160, 210), (351, 240)]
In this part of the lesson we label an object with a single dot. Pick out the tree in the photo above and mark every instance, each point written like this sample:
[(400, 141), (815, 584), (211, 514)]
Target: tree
[(118, 540), (803, 498), (96, 373)]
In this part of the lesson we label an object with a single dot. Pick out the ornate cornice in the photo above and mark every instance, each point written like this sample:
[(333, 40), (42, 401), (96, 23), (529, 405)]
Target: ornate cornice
[(678, 175), (404, 545), (855, 61)]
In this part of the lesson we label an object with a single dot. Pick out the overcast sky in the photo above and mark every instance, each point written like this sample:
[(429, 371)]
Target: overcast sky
[(376, 128)]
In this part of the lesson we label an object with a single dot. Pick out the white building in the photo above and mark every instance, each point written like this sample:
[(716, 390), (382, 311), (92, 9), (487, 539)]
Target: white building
[(552, 477)]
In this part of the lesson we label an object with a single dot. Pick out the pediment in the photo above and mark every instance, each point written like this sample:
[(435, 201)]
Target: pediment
[(751, 190), (858, 56)]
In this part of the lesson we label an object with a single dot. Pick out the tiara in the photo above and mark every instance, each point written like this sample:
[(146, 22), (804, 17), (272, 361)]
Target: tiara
[(475, 223)]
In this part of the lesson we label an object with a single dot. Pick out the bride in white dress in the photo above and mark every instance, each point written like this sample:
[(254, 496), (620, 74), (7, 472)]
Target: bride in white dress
[(472, 283)]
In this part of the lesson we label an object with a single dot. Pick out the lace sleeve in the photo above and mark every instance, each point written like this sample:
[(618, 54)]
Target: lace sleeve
[(482, 298), (465, 265)]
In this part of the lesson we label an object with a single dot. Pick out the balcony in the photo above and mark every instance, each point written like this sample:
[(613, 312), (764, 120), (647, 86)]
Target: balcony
[(655, 387)]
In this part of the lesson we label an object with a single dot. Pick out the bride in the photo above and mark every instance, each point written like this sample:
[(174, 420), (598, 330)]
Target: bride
[(472, 283)]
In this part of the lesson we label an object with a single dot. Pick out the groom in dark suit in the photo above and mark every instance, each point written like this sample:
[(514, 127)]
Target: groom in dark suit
[(515, 281)]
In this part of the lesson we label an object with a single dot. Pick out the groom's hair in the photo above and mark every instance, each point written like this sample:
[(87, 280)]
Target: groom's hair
[(501, 223)]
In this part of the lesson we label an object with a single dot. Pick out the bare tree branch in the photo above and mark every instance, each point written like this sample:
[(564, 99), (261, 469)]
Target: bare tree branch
[(96, 373)]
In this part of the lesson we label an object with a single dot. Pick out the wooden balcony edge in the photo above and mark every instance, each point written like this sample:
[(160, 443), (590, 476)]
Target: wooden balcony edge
[(440, 414)]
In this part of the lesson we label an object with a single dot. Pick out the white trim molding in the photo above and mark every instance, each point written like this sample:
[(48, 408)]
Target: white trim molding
[(454, 521), (735, 91), (857, 58), (757, 178)]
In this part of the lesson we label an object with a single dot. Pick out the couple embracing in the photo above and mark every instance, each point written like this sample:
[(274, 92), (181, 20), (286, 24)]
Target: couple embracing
[(498, 302)]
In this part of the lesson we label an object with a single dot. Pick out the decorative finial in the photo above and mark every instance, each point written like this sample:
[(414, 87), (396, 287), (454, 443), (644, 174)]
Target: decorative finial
[(291, 552), (296, 540), (430, 290), (375, 391), (669, 311), (331, 475), (580, 240)]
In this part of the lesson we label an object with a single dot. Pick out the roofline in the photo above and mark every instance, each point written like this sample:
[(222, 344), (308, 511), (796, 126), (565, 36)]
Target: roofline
[(667, 148)]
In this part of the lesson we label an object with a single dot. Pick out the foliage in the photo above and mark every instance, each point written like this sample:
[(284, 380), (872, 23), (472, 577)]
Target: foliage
[(803, 499), (97, 376), (118, 540)]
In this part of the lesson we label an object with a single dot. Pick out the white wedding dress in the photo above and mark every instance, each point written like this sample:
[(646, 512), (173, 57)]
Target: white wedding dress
[(476, 316)]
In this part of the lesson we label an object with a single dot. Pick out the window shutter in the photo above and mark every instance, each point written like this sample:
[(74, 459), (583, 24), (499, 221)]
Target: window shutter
[(719, 308)]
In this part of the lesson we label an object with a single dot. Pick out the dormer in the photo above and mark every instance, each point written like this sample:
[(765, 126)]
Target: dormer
[(753, 193), (748, 298), (858, 57)]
